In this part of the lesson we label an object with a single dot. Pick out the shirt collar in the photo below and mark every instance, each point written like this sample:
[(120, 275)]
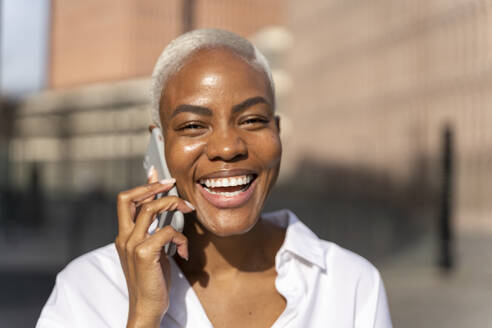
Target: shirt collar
[(299, 239)]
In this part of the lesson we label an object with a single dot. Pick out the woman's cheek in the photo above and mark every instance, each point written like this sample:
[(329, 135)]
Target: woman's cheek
[(182, 153), (270, 147), (192, 148), (181, 158)]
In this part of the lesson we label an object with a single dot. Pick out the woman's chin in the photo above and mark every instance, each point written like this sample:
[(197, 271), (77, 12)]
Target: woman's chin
[(227, 225)]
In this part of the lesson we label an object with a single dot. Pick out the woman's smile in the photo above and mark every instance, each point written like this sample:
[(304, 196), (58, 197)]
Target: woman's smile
[(228, 189)]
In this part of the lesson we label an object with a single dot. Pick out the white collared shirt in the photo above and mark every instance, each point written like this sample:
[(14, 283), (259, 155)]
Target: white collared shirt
[(324, 285)]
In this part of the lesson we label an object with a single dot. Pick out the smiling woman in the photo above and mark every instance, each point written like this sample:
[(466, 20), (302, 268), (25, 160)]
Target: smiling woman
[(233, 135), (213, 96)]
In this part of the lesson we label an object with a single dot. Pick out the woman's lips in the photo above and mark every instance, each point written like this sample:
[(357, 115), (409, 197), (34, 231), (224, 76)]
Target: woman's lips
[(227, 199)]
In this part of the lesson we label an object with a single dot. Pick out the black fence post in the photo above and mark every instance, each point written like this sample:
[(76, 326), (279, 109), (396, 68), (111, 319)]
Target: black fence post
[(188, 17), (446, 259)]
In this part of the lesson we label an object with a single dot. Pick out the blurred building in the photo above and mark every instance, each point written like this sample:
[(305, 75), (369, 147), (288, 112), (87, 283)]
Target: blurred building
[(375, 83), (365, 90), (94, 41), (89, 129)]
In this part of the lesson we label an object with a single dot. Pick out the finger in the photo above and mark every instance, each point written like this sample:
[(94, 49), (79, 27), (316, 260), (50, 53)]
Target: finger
[(124, 211), (151, 190), (152, 177), (126, 202), (150, 249), (149, 210), (120, 247)]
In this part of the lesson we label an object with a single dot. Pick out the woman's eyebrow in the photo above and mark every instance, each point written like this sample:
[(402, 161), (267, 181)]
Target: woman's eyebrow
[(199, 110), (248, 103)]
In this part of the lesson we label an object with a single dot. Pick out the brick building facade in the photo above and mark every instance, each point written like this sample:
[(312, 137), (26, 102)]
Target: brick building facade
[(90, 126), (365, 93), (94, 41), (379, 81)]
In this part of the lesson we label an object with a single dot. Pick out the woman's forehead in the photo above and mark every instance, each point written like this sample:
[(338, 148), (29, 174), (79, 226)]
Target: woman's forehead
[(213, 62), (213, 73)]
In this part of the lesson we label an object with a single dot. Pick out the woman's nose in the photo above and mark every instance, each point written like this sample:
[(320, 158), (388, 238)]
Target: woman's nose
[(226, 145)]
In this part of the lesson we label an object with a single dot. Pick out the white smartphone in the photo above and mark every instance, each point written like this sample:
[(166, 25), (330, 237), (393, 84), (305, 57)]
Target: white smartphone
[(155, 157)]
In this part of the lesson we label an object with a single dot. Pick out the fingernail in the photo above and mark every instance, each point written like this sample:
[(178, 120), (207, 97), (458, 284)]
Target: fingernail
[(150, 171), (183, 253), (189, 205), (167, 181)]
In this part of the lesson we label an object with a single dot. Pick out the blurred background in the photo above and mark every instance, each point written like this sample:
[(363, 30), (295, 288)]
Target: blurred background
[(386, 129)]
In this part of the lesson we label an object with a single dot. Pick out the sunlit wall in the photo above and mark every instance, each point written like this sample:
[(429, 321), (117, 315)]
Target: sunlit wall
[(376, 82)]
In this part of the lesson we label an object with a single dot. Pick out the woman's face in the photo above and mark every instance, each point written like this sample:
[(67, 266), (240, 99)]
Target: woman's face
[(222, 139)]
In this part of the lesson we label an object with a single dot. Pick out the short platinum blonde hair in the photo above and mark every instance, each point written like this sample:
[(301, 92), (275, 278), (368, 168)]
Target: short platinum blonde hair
[(175, 53)]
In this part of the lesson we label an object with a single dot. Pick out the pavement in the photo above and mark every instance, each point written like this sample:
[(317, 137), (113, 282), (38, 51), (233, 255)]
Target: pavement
[(422, 296)]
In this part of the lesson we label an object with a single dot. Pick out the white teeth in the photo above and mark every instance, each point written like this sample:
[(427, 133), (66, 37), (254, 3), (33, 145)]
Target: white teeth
[(227, 182), (224, 193)]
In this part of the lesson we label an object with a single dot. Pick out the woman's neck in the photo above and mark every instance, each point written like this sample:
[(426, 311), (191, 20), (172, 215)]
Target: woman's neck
[(211, 255)]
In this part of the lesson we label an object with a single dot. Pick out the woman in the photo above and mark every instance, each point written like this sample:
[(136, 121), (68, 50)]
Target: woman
[(213, 96)]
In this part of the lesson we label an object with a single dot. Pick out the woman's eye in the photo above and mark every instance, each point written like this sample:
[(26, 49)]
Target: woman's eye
[(191, 127), (254, 121)]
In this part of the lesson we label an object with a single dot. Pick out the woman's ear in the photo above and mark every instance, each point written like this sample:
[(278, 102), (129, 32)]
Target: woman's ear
[(277, 122)]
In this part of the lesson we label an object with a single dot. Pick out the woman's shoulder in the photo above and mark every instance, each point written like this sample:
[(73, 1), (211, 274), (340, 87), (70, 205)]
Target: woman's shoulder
[(97, 272), (346, 262), (341, 283), (99, 264), (358, 282), (87, 291)]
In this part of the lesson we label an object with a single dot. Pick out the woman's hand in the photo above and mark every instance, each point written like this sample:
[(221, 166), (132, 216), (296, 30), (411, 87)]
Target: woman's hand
[(145, 266)]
